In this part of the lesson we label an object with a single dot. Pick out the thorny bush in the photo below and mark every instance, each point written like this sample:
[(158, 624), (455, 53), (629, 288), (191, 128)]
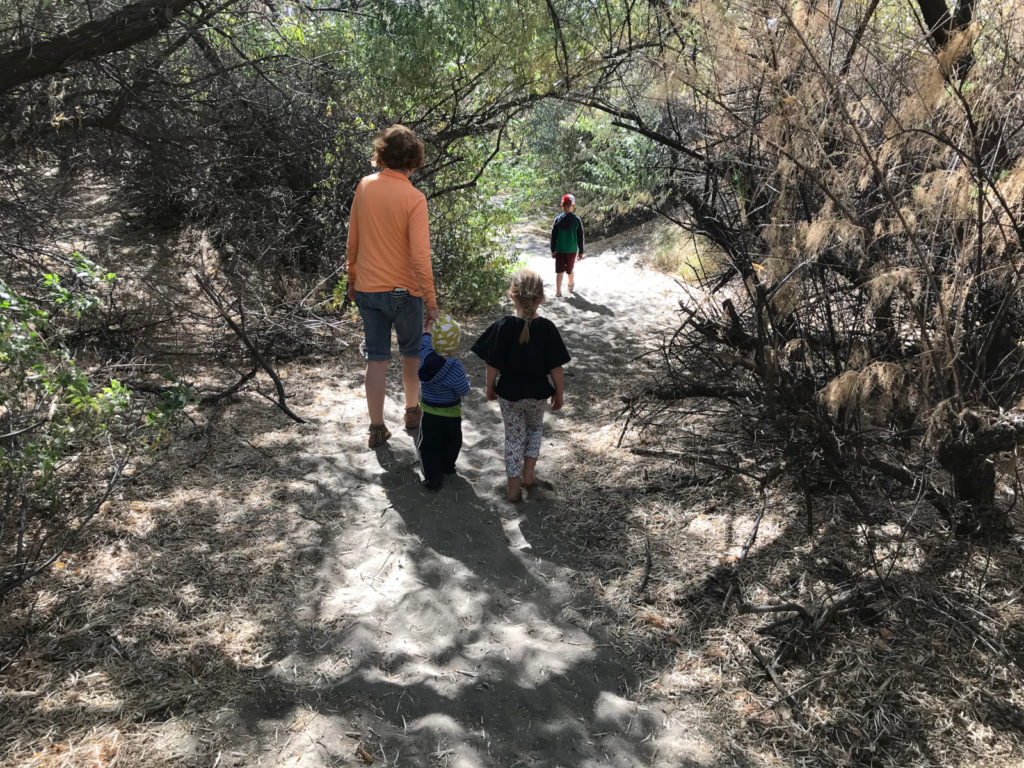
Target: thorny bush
[(863, 183)]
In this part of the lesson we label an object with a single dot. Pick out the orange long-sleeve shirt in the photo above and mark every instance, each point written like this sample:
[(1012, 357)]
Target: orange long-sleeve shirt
[(389, 238)]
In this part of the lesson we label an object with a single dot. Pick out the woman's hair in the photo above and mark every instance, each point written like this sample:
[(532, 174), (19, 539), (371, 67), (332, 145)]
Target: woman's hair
[(527, 291), (398, 148)]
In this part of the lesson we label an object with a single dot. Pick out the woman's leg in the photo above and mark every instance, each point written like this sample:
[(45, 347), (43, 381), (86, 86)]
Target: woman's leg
[(411, 385), (374, 380), (408, 319), (373, 308)]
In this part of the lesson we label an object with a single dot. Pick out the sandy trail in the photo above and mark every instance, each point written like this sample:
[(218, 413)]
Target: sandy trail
[(443, 630)]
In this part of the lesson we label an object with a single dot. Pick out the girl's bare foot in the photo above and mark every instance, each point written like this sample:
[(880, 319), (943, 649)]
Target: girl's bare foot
[(515, 489)]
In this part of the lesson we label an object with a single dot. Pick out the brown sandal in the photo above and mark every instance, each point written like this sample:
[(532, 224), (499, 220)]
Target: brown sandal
[(413, 416), (379, 434)]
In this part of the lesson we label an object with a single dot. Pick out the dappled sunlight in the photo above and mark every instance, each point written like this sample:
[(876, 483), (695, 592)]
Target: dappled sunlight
[(290, 597)]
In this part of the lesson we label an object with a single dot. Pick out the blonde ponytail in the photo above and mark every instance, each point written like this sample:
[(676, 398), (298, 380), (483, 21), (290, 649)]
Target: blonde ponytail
[(527, 292)]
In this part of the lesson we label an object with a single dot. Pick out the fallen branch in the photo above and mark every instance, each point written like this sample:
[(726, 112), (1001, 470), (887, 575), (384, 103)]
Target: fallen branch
[(745, 607), (257, 356), (216, 397), (770, 670)]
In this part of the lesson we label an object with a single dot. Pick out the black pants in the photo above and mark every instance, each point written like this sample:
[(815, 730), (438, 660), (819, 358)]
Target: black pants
[(439, 441)]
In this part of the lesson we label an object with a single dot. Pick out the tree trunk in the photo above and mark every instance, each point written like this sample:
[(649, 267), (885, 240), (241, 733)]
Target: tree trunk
[(966, 457), (122, 29), (938, 21), (942, 24)]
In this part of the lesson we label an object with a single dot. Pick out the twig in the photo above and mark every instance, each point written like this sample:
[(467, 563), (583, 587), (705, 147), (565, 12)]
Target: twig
[(745, 607), (648, 563), (257, 356), (216, 397), (786, 695)]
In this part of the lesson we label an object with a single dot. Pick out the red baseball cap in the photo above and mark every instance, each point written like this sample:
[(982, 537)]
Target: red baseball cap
[(568, 200)]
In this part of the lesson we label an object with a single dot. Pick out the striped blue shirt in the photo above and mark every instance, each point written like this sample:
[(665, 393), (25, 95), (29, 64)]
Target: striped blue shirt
[(442, 382)]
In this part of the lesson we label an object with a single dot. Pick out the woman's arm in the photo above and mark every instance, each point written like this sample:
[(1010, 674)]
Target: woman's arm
[(419, 253), (559, 382), (352, 247), (492, 375)]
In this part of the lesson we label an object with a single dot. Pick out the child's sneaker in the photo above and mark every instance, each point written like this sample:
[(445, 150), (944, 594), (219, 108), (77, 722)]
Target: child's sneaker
[(432, 485)]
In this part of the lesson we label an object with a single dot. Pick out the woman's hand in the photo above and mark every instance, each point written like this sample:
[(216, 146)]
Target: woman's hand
[(556, 401), (491, 394), (429, 317)]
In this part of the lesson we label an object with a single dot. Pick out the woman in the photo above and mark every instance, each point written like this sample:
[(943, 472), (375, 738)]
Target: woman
[(389, 273)]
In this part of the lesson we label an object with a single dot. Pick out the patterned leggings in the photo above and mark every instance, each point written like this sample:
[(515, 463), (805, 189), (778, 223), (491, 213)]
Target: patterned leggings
[(524, 421)]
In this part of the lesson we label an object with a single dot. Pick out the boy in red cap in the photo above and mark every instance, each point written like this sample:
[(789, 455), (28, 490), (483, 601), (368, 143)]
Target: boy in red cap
[(566, 242)]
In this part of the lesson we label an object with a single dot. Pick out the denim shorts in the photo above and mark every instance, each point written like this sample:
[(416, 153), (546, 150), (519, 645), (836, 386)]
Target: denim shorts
[(380, 311)]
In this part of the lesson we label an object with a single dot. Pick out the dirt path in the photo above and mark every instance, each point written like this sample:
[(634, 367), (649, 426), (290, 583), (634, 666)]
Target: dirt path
[(440, 635), (265, 593)]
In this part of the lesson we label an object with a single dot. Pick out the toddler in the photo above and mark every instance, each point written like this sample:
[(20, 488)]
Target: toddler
[(443, 383)]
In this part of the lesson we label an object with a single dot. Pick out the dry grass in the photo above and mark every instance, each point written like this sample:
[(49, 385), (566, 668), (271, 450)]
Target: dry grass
[(174, 607), (175, 610), (142, 644), (923, 670), (679, 253)]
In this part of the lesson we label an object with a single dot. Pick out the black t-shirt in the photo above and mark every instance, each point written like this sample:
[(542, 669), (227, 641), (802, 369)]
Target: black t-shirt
[(522, 368)]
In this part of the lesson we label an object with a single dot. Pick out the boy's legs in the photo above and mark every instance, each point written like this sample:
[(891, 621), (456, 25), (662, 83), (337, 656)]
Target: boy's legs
[(563, 264), (431, 444), (453, 443), (570, 268)]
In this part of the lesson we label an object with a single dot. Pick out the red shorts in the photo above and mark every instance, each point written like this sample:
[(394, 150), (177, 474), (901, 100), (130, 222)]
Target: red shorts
[(564, 262)]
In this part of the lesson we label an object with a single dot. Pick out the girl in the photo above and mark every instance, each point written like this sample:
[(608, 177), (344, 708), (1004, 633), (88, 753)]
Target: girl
[(524, 355)]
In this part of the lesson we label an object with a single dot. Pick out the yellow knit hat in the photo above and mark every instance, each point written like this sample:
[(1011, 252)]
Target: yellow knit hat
[(446, 335)]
